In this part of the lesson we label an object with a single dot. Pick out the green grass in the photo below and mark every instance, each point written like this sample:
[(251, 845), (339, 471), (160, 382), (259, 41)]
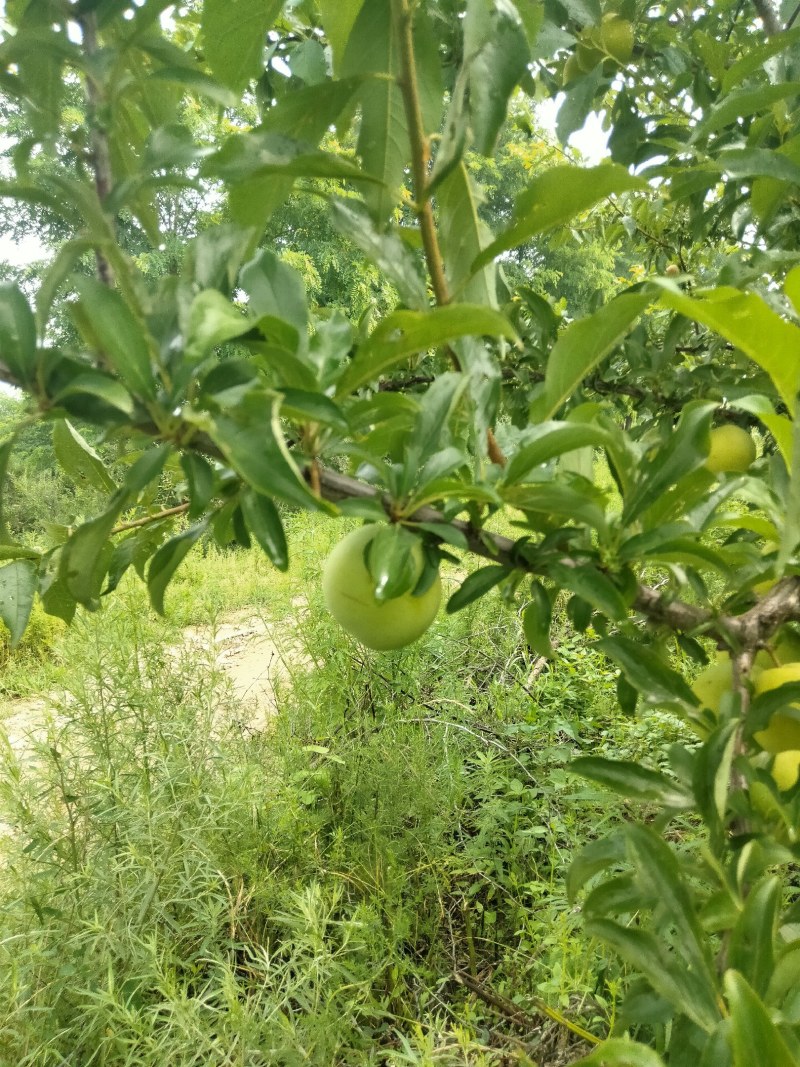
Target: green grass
[(177, 890)]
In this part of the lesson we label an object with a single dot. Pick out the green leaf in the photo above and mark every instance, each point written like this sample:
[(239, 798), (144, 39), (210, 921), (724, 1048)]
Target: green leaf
[(167, 560), (607, 852), (264, 153), (234, 36), (752, 941), (101, 386), (407, 333), (110, 327), (756, 55), (659, 874), (536, 621), (197, 82), (147, 468), (463, 235), (252, 442), (302, 406), (496, 57), (593, 586), (6, 448), (711, 776), (743, 102), (200, 482), (685, 451), (391, 563), (17, 334), (633, 781), (647, 672), (264, 522), (373, 48), (338, 19), (428, 64), (18, 552), (547, 440), (754, 1036), (304, 115), (451, 535), (277, 290), (427, 455), (476, 585), (554, 500), (213, 320), (85, 557), (668, 977), (758, 162), (17, 589), (750, 324), (78, 459), (555, 197), (581, 346), (386, 250), (618, 1052)]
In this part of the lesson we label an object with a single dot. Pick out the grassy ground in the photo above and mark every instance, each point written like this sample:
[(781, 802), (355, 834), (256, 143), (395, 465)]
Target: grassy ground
[(177, 890)]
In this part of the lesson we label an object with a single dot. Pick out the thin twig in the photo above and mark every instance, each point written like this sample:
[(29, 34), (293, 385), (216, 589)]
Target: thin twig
[(167, 513), (518, 1015), (420, 151), (98, 138)]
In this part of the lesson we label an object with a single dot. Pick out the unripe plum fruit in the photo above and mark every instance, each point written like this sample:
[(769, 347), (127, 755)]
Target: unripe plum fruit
[(713, 682), (349, 592), (732, 449), (782, 733), (617, 37), (786, 769)]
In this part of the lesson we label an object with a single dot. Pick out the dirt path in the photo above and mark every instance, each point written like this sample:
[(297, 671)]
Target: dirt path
[(242, 645), (245, 647)]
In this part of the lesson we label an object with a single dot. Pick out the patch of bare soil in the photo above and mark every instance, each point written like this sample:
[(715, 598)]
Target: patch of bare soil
[(256, 655)]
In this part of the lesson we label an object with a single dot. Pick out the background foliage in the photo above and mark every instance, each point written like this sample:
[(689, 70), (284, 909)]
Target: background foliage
[(318, 255)]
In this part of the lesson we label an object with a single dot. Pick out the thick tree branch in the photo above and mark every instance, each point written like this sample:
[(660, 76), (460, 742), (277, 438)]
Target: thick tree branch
[(768, 16), (749, 631)]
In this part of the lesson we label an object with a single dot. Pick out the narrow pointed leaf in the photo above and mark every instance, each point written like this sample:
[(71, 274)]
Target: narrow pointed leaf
[(17, 334), (476, 585), (234, 35), (78, 459), (754, 1036), (646, 671), (633, 781), (107, 323), (581, 346), (264, 523), (750, 324), (407, 333), (167, 560), (555, 198), (17, 588)]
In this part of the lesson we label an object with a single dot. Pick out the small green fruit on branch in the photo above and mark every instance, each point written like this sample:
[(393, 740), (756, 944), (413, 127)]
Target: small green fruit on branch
[(349, 591), (732, 449), (751, 630)]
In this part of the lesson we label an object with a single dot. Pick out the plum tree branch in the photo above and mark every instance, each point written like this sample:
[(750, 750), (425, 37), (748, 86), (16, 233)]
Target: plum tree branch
[(420, 159), (420, 151), (768, 16), (98, 139), (750, 630)]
